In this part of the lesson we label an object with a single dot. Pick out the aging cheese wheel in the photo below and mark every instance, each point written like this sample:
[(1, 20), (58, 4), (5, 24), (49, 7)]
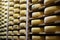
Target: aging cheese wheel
[(37, 22), (23, 18), (17, 5), (11, 4), (51, 10), (11, 0), (11, 12), (16, 21), (51, 38), (37, 14), (35, 1), (16, 15), (16, 10), (35, 30), (15, 32), (11, 8), (10, 32), (22, 12), (23, 31), (22, 37), (11, 23), (15, 27), (10, 28), (22, 1), (22, 25), (23, 6), (10, 37), (50, 29), (37, 6), (11, 18), (16, 0), (15, 37), (35, 37), (51, 19)]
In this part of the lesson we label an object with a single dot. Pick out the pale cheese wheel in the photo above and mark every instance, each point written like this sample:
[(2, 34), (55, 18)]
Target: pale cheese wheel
[(11, 0), (22, 31), (16, 10), (15, 27), (37, 14), (11, 3), (23, 6), (11, 8), (50, 29), (22, 1), (22, 25), (16, 15), (23, 18), (11, 18), (16, 0), (10, 28), (22, 12), (16, 21), (35, 30), (10, 32), (15, 32), (11, 23), (35, 1), (17, 5), (37, 22), (36, 38), (51, 19), (22, 37), (51, 10), (11, 12), (10, 37), (51, 38), (15, 37)]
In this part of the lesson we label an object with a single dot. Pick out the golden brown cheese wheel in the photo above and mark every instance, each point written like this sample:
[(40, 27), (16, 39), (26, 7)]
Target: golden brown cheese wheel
[(11, 3), (16, 21), (37, 14), (22, 12), (49, 2), (11, 8), (16, 10), (23, 6), (10, 28), (10, 32), (11, 13), (22, 25), (15, 27), (35, 30), (51, 38), (11, 18), (37, 22), (37, 6), (11, 23), (23, 31), (50, 29), (22, 1), (22, 37), (35, 1), (15, 32), (17, 5), (16, 15), (23, 18), (51, 19), (51, 10)]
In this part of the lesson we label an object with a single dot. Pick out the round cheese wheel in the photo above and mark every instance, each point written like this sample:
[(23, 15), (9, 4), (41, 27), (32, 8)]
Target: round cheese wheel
[(11, 13), (10, 28), (37, 6), (16, 0), (37, 22), (51, 38), (10, 32), (23, 6), (16, 21), (51, 19), (22, 25), (11, 18), (11, 3), (35, 30), (16, 32), (17, 5), (23, 18), (11, 0), (51, 10), (10, 37), (16, 15), (22, 1), (11, 23), (22, 12), (37, 14), (22, 37), (23, 31), (11, 8), (16, 10), (50, 29), (15, 27), (36, 38), (15, 37)]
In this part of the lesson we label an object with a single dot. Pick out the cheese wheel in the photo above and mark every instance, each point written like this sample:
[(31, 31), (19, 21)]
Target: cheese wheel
[(10, 28), (11, 18), (11, 12), (37, 14), (17, 5), (51, 19), (11, 3), (37, 22), (36, 38), (49, 2), (10, 37), (22, 1), (16, 21), (15, 27), (50, 29), (22, 12), (23, 18), (35, 1), (23, 6), (11, 23), (10, 32), (16, 15), (16, 10), (22, 37), (11, 0), (23, 31), (15, 37), (51, 38), (22, 25), (37, 6), (15, 32), (51, 10), (16, 0), (35, 30), (11, 8)]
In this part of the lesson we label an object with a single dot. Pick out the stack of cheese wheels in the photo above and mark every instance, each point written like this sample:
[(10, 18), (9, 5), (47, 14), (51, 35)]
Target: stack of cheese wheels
[(22, 25), (37, 22), (37, 6), (23, 18), (22, 1), (15, 27), (16, 15), (10, 28), (51, 19), (22, 12), (16, 10), (37, 14), (15, 32), (50, 29), (22, 37), (10, 37), (16, 21), (15, 37), (51, 38), (22, 31), (11, 12), (23, 6), (10, 32), (17, 5), (51, 10)]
